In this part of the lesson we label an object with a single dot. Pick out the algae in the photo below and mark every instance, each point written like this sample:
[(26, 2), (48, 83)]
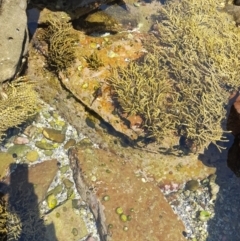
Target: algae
[(18, 102), (181, 86), (61, 41)]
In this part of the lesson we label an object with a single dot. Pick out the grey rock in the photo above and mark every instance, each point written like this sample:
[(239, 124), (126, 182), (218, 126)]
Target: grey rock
[(13, 37)]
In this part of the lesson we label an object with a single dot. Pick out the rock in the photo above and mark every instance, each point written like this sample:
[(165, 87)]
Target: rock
[(39, 176), (5, 160), (68, 224), (14, 37), (51, 201), (20, 140), (69, 143), (192, 185), (67, 183), (19, 150), (32, 156), (44, 145), (53, 135), (30, 131), (152, 218)]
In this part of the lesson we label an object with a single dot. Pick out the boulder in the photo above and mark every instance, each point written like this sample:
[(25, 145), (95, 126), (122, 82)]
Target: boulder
[(13, 36)]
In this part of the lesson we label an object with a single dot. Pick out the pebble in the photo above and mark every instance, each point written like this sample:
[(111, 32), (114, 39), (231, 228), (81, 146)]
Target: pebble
[(32, 156), (54, 135), (59, 137), (21, 140)]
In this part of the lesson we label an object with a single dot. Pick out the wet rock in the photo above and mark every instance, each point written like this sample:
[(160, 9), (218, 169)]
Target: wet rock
[(192, 185), (5, 160), (32, 156), (40, 176), (30, 131), (51, 201), (45, 145), (68, 224), (58, 189), (54, 135), (69, 143), (67, 183), (19, 150), (20, 140), (64, 169), (14, 37), (125, 190)]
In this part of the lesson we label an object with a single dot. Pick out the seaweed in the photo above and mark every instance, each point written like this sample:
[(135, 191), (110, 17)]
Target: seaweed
[(182, 85), (94, 62), (61, 41), (18, 102)]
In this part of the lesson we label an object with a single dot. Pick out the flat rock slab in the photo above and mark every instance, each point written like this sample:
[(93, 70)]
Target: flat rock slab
[(115, 184), (39, 176), (67, 222)]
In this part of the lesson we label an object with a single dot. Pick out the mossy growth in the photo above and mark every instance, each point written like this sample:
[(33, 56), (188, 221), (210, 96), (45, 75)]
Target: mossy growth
[(61, 41), (18, 102), (182, 85)]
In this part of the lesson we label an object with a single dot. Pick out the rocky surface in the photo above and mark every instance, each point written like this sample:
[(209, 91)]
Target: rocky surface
[(133, 208), (14, 37), (109, 190)]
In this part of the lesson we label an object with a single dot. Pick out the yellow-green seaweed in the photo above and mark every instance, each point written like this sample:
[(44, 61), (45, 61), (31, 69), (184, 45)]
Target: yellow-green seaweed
[(61, 41), (181, 86)]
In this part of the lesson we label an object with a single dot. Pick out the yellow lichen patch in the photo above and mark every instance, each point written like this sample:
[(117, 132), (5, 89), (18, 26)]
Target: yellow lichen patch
[(18, 102), (135, 210)]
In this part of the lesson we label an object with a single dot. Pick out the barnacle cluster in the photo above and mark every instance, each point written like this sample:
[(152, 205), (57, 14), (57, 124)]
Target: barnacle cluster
[(61, 41), (18, 102), (181, 86)]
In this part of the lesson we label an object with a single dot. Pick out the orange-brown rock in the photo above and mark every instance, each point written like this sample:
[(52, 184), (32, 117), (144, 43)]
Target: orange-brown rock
[(38, 176), (115, 184)]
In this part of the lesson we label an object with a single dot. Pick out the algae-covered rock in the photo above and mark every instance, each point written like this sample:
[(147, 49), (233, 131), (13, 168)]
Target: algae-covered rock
[(54, 135), (69, 143), (20, 150), (150, 216), (192, 185), (67, 183), (52, 201), (45, 145), (68, 224), (32, 156), (5, 160)]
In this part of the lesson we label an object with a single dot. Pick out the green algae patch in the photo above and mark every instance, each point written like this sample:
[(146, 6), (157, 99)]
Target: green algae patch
[(133, 207)]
